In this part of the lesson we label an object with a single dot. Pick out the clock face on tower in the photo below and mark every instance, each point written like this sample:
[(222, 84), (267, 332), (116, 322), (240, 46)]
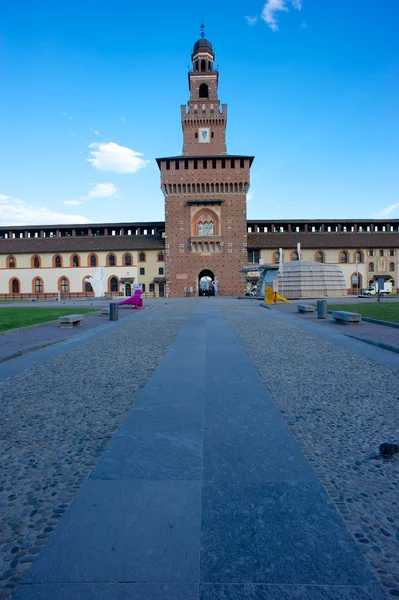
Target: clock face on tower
[(204, 135)]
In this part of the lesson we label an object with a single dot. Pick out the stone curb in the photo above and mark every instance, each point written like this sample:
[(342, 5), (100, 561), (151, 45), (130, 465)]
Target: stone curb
[(383, 345), (18, 353)]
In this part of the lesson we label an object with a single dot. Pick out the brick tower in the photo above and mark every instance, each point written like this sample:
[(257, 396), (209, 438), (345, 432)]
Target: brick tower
[(205, 191)]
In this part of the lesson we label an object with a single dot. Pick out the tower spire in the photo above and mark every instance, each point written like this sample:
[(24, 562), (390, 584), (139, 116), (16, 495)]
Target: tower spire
[(202, 31)]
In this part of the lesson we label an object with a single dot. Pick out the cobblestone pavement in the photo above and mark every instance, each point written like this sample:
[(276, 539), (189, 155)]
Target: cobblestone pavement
[(56, 420), (340, 406)]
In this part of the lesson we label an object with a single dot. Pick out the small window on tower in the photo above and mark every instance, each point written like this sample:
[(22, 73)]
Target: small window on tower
[(203, 91), (196, 134), (223, 163), (214, 160), (177, 165), (241, 163), (212, 134), (233, 163), (168, 165), (195, 163), (186, 164), (205, 164)]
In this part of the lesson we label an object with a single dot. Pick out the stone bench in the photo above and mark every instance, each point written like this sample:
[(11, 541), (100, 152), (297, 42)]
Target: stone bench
[(71, 320), (306, 308), (105, 312), (344, 317)]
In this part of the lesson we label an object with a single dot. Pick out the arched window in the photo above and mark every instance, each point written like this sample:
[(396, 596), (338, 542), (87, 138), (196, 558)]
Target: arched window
[(75, 261), (392, 267), (58, 262), (38, 285), (320, 257), (113, 284), (203, 91), (11, 262), (203, 65), (15, 286), (161, 257), (88, 287), (276, 258), (93, 260), (371, 267), (128, 260), (294, 256), (359, 256), (64, 285), (142, 257), (343, 257), (111, 260), (36, 262)]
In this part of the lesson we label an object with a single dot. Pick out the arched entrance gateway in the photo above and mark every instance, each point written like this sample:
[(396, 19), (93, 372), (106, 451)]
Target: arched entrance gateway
[(205, 287)]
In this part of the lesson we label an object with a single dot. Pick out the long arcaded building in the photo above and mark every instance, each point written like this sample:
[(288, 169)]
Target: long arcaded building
[(206, 233)]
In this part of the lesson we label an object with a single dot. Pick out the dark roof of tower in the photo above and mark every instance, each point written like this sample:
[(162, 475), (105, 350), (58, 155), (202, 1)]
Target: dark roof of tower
[(202, 44)]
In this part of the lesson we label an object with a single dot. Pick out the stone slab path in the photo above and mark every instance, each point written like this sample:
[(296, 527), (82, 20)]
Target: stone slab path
[(203, 493)]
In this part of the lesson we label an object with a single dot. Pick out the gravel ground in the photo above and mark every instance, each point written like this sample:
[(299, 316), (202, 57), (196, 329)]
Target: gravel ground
[(56, 419), (340, 407)]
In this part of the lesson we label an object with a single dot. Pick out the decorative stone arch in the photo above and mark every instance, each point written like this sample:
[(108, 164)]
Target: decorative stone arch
[(11, 262), (61, 286), (356, 254), (319, 256), (75, 261), (111, 279), (14, 285), (359, 281), (276, 257), (127, 255), (37, 291), (33, 263), (89, 260), (201, 214), (111, 260), (54, 261), (341, 257), (86, 285)]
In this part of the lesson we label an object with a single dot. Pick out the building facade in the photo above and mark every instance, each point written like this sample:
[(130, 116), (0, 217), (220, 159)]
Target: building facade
[(206, 235)]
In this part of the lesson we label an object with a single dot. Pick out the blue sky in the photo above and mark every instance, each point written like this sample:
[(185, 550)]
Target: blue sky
[(90, 95)]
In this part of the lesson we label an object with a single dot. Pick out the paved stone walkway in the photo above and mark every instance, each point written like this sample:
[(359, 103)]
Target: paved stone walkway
[(369, 332), (203, 493), (20, 341)]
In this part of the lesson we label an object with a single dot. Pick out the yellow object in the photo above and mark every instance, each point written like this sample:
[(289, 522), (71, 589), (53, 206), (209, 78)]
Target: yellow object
[(270, 296)]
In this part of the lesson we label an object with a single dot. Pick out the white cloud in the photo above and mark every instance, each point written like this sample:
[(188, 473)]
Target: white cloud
[(388, 210), (102, 190), (95, 131), (115, 159), (273, 7), (251, 20), (250, 195), (72, 202), (17, 212)]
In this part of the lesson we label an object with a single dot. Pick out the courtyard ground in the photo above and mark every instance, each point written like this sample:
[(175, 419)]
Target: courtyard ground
[(203, 448)]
